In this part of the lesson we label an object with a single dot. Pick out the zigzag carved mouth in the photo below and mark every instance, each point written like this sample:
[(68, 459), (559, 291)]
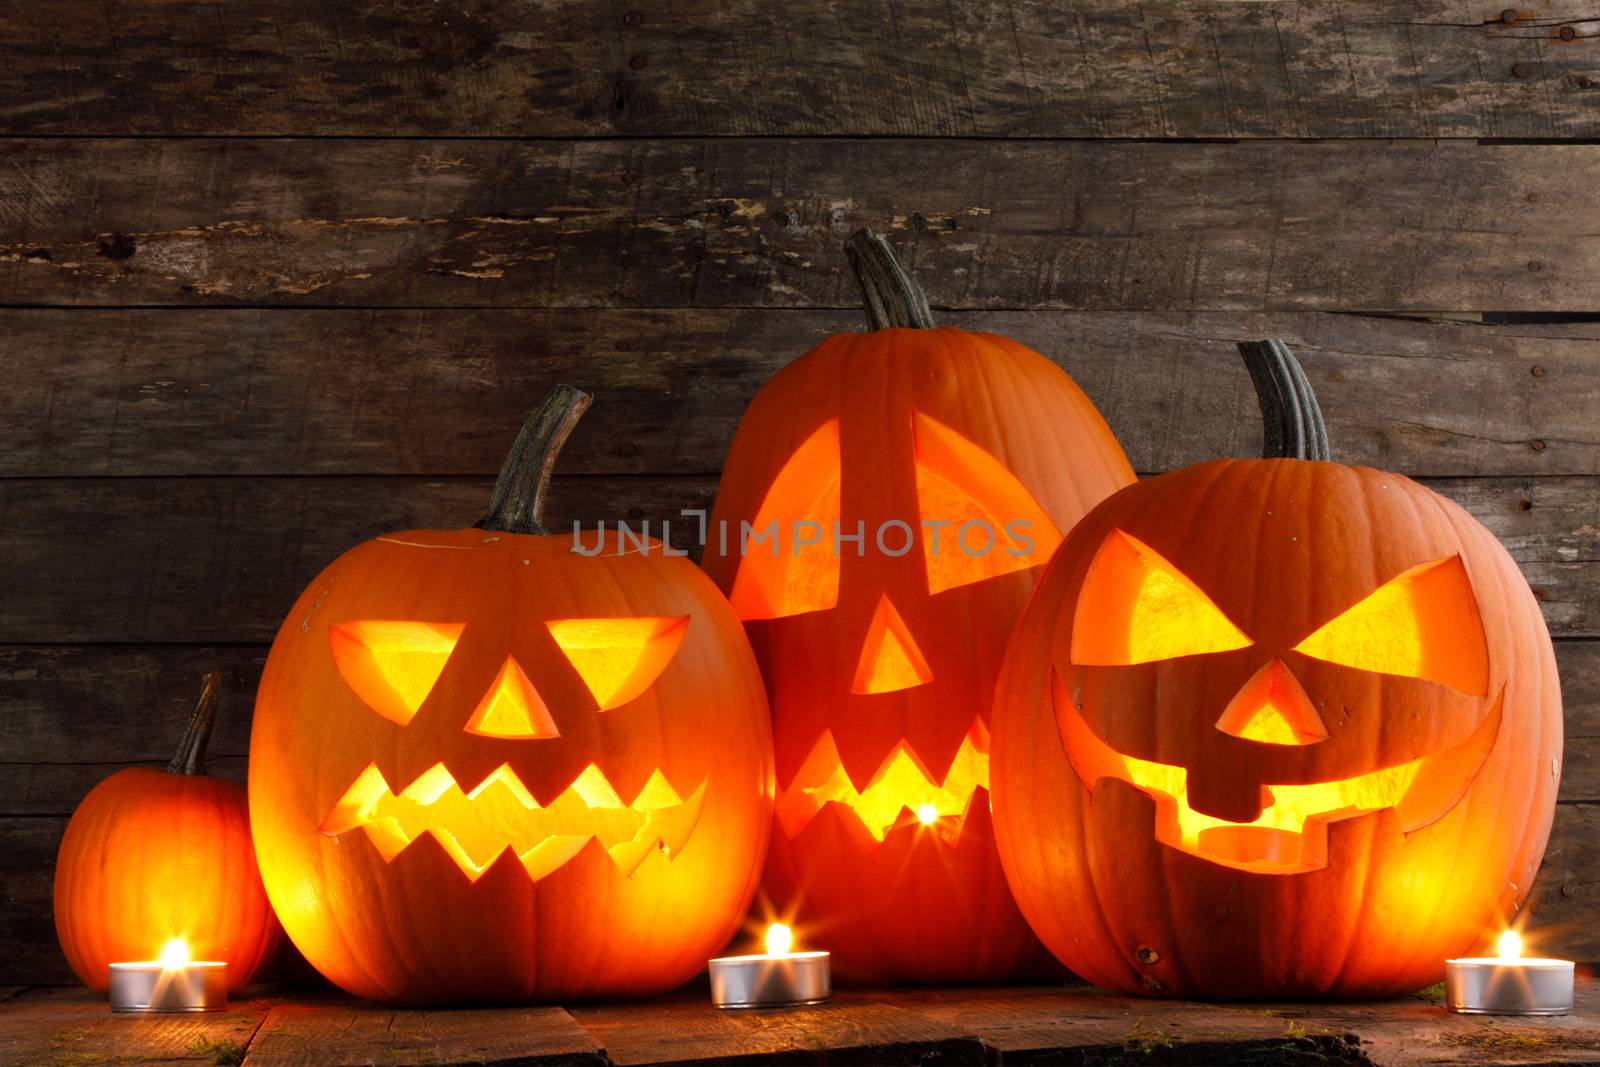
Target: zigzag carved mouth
[(901, 791), (1290, 835), (476, 827)]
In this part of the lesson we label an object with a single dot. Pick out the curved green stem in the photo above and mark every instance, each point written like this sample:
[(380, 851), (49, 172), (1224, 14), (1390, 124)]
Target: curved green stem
[(892, 295), (1292, 426), (191, 757), (517, 503)]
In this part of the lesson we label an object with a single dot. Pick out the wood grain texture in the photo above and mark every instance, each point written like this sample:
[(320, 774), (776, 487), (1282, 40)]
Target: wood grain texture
[(1062, 1024), (1430, 226), (1030, 68), (441, 392), (222, 559), (1566, 891), (849, 1029), (1081, 1024), (71, 1027), (343, 1034)]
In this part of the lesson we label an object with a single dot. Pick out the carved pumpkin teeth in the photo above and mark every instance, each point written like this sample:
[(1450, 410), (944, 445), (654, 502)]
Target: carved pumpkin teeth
[(499, 813), (901, 784), (1289, 835)]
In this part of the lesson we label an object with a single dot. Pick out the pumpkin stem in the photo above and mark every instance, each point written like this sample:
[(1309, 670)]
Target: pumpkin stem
[(517, 504), (892, 295), (1292, 426), (191, 757)]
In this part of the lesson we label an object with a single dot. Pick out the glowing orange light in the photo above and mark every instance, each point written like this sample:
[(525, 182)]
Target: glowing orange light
[(512, 708), (901, 784), (174, 954), (780, 939), (960, 483), (890, 658), (475, 827), (1422, 624), (928, 814), (619, 658), (1135, 607), (1509, 947), (782, 578), (1289, 834), (392, 665), (1273, 708)]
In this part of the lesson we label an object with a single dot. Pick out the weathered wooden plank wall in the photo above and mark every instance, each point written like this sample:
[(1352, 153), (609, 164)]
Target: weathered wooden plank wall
[(275, 277)]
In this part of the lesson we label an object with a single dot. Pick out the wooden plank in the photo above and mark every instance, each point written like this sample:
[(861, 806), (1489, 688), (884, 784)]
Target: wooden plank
[(1031, 68), (1427, 226), (27, 906), (74, 1027), (851, 1029), (431, 392), (1081, 1024), (1566, 892), (1579, 665), (127, 704), (338, 1033), (195, 561)]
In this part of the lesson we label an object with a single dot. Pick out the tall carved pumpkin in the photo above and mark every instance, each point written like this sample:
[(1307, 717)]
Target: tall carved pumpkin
[(488, 767), (152, 855), (957, 459), (1275, 727)]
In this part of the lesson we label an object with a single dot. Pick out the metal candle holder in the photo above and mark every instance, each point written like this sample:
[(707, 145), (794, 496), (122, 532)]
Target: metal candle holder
[(771, 981), (155, 987), (1499, 986)]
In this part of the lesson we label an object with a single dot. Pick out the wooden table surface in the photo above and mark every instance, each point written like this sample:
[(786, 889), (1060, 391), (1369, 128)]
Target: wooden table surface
[(1073, 1024)]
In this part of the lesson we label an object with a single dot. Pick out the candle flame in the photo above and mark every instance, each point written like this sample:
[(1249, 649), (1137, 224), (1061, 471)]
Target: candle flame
[(928, 814), (1510, 945), (174, 953), (779, 939)]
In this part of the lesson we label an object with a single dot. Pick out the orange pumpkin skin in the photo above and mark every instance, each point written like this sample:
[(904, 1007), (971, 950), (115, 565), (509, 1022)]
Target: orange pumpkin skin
[(417, 927), (925, 902), (149, 856), (1280, 547)]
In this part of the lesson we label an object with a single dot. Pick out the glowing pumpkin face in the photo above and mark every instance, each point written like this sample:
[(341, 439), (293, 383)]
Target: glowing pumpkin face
[(486, 767), (959, 458), (1303, 717)]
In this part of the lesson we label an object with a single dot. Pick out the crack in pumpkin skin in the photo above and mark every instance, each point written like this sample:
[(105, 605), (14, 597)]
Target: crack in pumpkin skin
[(1289, 835), (499, 814), (901, 792)]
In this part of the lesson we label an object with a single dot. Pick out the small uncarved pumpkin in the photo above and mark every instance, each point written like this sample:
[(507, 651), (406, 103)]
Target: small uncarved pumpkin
[(1275, 727), (154, 855), (486, 766), (948, 463)]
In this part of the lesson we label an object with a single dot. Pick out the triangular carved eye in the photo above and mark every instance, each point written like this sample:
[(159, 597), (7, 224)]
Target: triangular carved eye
[(778, 575), (978, 520), (392, 664), (1135, 607), (618, 659), (1422, 624)]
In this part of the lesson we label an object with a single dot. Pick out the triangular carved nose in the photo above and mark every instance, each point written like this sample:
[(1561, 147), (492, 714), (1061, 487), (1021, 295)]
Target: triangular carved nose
[(890, 658), (1272, 707), (512, 708)]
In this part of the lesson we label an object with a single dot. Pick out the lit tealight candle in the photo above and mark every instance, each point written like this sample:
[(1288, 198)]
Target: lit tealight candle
[(173, 982), (774, 979), (1508, 984)]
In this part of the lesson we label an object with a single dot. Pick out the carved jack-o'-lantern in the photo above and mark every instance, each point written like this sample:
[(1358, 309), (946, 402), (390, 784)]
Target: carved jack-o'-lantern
[(1275, 727), (486, 767), (953, 460)]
